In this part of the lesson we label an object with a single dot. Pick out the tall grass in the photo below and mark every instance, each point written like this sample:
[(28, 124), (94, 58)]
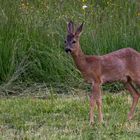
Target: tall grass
[(33, 32)]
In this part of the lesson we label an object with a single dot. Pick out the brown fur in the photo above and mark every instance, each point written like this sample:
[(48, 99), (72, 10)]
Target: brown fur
[(122, 65)]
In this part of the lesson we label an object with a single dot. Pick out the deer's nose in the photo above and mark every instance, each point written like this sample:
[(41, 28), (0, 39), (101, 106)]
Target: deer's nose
[(67, 50)]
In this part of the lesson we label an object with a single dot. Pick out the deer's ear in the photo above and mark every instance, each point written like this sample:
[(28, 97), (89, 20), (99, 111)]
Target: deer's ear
[(79, 30), (70, 27)]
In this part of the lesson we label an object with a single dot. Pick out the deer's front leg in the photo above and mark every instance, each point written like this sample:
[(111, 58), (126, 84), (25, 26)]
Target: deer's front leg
[(96, 97), (92, 104)]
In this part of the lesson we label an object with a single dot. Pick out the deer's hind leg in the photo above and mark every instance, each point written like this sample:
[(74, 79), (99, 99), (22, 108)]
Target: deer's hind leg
[(135, 96)]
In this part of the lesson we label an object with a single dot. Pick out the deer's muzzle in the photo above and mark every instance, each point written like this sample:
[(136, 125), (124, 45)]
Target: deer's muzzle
[(68, 50)]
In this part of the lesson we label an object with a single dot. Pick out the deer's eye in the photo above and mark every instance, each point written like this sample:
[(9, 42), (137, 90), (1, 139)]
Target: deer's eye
[(73, 41)]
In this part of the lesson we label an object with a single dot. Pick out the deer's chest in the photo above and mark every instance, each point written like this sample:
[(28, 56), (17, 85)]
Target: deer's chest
[(90, 76)]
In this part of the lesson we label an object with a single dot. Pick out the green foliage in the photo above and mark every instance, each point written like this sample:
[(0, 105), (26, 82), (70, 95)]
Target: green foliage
[(33, 34)]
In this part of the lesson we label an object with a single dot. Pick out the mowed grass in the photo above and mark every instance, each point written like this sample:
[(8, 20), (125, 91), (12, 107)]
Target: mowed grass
[(67, 118)]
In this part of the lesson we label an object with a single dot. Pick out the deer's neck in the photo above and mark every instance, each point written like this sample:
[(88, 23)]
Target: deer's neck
[(79, 59)]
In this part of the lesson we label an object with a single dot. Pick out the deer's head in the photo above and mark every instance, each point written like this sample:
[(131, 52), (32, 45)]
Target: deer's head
[(72, 39)]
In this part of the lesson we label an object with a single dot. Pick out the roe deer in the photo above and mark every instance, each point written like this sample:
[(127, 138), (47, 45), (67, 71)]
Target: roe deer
[(122, 65)]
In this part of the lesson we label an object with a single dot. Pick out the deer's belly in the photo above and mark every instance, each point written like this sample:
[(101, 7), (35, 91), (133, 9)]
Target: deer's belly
[(113, 78)]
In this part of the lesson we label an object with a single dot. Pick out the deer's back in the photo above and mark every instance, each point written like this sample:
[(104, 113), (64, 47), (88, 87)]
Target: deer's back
[(119, 65)]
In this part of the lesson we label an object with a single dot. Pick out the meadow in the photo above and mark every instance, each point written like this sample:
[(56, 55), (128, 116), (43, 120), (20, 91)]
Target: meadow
[(66, 118), (43, 95)]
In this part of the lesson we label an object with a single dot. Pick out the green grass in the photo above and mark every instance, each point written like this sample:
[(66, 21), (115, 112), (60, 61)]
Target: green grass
[(32, 35), (67, 118)]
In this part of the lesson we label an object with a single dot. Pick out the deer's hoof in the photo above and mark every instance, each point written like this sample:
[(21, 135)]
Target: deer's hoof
[(130, 117), (91, 123)]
